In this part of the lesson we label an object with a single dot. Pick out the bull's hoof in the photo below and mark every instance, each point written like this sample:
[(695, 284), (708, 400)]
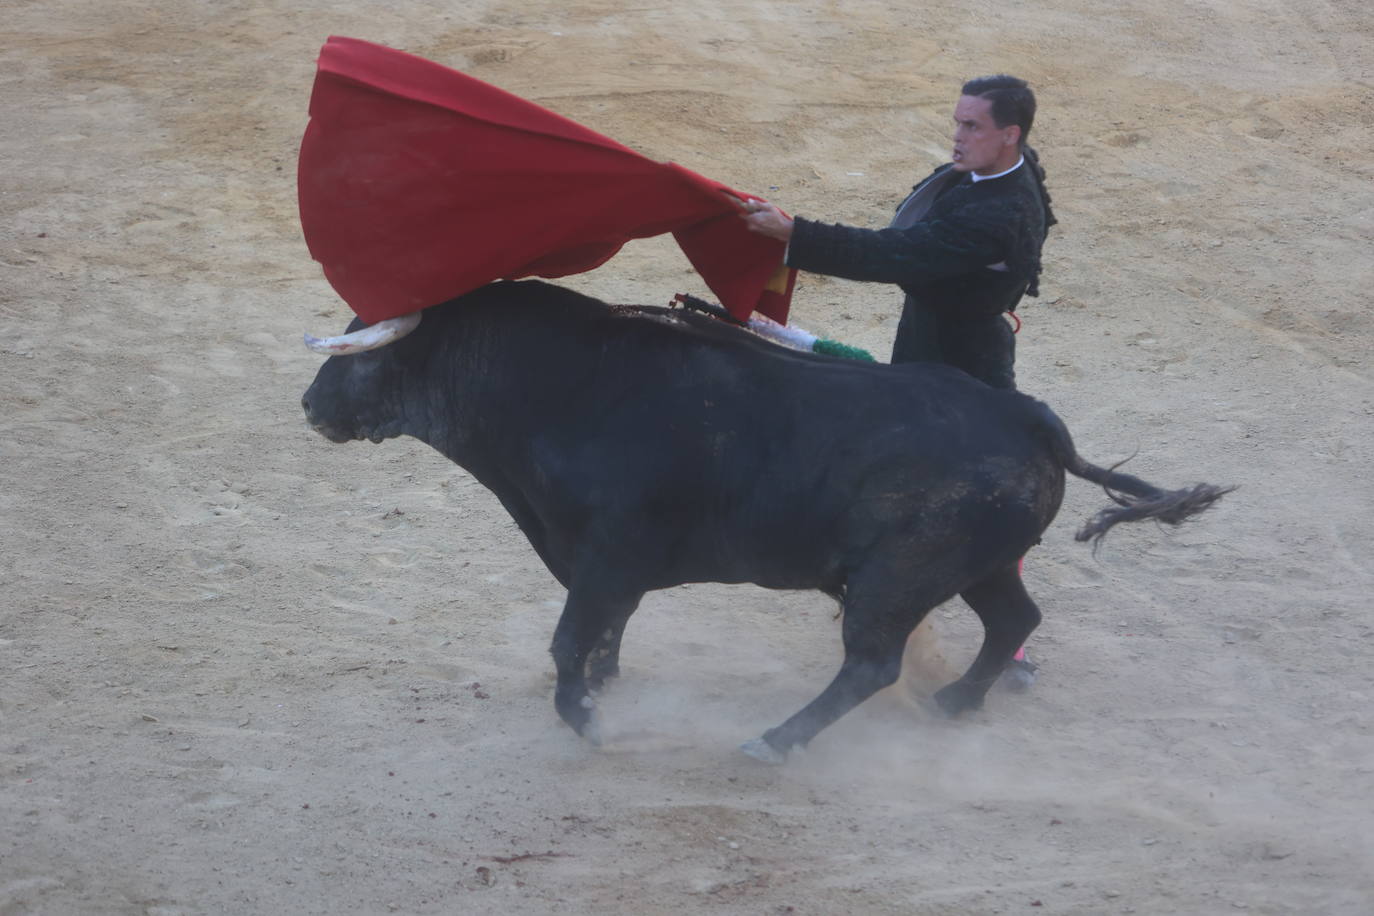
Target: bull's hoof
[(590, 727), (956, 699), (579, 714), (762, 750), (591, 731)]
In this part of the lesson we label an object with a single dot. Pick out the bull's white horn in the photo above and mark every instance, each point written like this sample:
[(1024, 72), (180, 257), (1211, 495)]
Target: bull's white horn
[(364, 339)]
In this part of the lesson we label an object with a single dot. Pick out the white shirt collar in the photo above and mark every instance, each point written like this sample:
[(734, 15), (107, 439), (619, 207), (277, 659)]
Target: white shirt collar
[(977, 178)]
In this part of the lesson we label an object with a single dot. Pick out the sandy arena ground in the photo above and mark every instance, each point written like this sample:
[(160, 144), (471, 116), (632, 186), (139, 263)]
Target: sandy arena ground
[(243, 670)]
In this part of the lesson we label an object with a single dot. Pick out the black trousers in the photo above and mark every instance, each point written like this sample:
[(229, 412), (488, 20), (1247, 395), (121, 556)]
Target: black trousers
[(985, 348)]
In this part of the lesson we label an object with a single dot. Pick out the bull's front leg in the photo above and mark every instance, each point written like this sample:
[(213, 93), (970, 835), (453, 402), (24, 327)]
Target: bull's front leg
[(588, 616), (604, 661)]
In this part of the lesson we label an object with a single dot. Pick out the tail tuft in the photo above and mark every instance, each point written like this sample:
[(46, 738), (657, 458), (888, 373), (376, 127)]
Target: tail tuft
[(1172, 507)]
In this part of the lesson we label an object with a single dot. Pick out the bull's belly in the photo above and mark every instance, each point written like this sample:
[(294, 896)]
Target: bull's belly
[(973, 517), (770, 563)]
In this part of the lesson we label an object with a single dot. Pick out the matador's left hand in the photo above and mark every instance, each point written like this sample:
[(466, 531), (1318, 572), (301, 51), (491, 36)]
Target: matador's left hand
[(764, 218)]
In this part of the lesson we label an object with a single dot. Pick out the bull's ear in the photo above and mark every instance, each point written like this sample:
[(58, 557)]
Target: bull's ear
[(368, 338)]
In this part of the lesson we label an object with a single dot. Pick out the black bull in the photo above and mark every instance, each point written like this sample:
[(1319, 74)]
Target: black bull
[(639, 449)]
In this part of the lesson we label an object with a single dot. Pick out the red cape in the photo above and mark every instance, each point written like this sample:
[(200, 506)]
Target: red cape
[(418, 184)]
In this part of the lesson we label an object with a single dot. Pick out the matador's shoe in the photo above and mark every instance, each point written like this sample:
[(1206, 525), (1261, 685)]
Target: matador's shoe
[(1020, 674)]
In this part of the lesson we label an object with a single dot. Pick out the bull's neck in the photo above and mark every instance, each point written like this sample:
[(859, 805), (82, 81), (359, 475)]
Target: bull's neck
[(473, 401)]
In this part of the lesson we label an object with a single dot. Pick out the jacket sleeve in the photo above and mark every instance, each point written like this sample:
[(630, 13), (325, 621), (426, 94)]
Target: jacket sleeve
[(941, 247)]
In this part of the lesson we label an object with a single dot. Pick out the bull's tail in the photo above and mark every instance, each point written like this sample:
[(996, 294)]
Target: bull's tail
[(1134, 498)]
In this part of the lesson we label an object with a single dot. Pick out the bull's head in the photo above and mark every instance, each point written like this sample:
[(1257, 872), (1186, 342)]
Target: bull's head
[(358, 392)]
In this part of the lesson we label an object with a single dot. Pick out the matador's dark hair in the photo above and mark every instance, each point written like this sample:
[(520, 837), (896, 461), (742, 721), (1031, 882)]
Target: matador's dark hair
[(1013, 102)]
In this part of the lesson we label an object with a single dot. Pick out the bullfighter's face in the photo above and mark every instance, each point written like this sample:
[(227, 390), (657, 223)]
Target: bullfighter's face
[(980, 146)]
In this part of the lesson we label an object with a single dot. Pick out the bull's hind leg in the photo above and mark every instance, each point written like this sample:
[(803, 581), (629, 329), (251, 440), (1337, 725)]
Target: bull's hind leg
[(877, 621), (588, 616), (1008, 615)]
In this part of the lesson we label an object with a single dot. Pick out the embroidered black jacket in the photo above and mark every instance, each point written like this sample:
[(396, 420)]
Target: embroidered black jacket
[(945, 262)]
